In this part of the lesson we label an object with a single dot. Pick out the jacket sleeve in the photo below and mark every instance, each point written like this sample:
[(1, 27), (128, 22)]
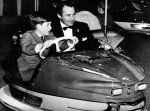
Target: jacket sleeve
[(27, 45)]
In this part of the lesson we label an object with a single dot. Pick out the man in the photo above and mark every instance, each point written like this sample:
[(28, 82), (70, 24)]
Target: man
[(80, 31)]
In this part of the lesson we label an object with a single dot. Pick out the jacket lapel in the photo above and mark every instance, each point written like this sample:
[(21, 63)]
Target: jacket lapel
[(36, 37), (75, 29), (57, 29)]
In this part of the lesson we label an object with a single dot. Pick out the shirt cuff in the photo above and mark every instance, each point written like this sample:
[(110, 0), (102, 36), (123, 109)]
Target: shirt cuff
[(38, 48)]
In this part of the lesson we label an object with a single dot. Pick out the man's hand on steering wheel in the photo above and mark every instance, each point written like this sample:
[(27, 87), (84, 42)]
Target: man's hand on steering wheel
[(105, 45), (76, 39), (73, 41)]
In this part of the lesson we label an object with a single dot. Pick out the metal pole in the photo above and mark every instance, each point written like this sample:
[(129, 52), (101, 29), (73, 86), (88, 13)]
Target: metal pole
[(19, 7), (34, 5), (105, 24), (37, 5), (1, 7)]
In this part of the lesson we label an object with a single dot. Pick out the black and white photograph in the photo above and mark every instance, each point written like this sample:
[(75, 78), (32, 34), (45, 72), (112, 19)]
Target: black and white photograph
[(74, 55)]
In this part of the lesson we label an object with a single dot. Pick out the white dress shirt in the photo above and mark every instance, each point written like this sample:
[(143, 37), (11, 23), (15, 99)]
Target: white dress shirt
[(68, 32)]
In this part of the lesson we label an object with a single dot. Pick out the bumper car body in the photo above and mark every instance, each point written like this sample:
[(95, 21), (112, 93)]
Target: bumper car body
[(80, 81), (142, 28)]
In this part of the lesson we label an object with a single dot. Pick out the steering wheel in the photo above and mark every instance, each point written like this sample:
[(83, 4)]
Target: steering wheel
[(56, 42)]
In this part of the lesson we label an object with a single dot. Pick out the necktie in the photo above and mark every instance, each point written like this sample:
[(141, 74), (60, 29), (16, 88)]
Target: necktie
[(42, 38), (65, 28)]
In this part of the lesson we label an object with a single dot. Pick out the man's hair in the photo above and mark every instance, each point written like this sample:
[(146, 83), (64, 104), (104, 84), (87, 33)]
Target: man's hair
[(102, 5), (37, 18), (62, 4)]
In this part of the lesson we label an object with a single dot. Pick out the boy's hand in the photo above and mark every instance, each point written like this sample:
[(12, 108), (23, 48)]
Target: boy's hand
[(38, 47), (48, 43)]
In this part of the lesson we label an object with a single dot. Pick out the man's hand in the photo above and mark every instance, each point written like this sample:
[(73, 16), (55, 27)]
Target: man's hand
[(76, 40), (105, 45)]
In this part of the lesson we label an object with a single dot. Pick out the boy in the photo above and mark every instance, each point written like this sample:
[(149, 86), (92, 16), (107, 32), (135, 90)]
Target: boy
[(32, 42)]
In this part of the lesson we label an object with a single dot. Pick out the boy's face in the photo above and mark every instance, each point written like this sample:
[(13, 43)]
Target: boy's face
[(45, 28), (68, 15)]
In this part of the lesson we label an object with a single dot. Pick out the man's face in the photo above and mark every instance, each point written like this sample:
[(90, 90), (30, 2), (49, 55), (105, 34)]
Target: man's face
[(68, 15)]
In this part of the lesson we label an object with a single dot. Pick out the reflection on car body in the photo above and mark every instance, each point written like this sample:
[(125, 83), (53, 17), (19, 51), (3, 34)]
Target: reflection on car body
[(96, 80)]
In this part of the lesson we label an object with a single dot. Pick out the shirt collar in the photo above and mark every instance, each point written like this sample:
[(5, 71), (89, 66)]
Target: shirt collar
[(38, 34), (62, 24)]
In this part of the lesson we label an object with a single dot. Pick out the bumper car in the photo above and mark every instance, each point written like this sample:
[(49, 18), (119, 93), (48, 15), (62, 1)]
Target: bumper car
[(142, 28), (87, 80), (135, 17)]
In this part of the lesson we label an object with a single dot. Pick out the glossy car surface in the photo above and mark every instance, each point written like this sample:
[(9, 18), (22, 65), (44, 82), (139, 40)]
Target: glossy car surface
[(80, 80)]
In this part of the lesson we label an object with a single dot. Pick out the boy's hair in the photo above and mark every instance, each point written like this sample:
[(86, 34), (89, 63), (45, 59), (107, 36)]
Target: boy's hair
[(62, 4), (37, 18)]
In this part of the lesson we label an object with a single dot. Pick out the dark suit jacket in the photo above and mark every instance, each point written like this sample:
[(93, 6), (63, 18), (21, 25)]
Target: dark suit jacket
[(81, 31)]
